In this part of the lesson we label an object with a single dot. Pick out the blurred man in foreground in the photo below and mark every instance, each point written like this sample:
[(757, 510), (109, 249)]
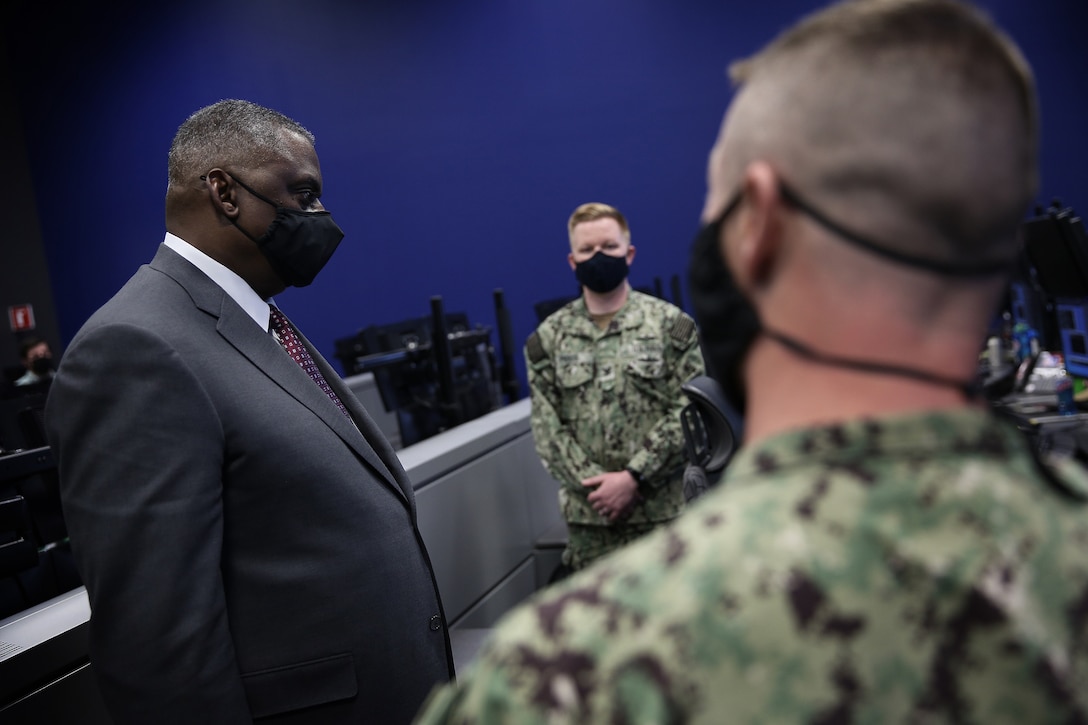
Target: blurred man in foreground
[(883, 548)]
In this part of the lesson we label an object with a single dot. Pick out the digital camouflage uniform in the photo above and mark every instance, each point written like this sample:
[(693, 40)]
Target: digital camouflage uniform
[(606, 400), (914, 569)]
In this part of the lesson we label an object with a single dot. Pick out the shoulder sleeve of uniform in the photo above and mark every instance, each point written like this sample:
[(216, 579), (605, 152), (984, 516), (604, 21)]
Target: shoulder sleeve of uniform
[(682, 331), (534, 349)]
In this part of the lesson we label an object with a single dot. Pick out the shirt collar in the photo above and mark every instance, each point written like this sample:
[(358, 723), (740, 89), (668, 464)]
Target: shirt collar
[(236, 287)]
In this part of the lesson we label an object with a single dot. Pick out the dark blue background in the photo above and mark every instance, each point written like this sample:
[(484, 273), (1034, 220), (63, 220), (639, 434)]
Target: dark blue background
[(455, 137)]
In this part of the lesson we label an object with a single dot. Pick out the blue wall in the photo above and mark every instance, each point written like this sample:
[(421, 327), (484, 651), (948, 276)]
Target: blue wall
[(455, 137)]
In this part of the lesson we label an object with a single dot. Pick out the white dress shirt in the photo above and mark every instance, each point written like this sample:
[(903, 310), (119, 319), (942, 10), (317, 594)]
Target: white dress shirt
[(238, 289)]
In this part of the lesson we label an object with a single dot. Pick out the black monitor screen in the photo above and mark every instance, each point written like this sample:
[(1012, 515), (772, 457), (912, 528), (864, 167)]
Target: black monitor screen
[(406, 367), (1058, 250)]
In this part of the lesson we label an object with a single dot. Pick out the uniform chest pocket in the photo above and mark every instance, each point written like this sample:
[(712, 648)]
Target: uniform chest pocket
[(574, 371), (573, 375), (647, 365)]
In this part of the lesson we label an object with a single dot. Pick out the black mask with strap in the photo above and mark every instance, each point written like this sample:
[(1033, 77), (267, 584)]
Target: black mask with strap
[(729, 324)]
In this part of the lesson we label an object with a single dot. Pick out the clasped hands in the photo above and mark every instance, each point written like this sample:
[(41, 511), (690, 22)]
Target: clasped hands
[(614, 494)]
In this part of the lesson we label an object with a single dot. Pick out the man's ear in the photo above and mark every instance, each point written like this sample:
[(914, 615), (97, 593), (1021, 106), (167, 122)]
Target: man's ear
[(630, 253), (570, 260), (222, 191), (759, 225)]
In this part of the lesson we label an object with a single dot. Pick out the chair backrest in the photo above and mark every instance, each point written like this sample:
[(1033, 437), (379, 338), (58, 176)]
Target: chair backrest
[(22, 418), (545, 308), (711, 431)]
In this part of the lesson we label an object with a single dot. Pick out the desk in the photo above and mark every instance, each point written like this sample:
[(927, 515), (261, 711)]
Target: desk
[(484, 502), (24, 462)]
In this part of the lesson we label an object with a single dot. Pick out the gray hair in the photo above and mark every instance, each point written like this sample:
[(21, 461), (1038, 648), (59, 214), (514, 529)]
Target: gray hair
[(228, 133)]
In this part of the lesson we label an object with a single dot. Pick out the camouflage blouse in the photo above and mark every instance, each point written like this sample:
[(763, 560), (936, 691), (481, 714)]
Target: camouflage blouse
[(606, 400), (923, 568)]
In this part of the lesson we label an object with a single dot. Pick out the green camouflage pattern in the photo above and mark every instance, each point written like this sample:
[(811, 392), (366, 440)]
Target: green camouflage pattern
[(606, 400), (593, 542), (917, 569)]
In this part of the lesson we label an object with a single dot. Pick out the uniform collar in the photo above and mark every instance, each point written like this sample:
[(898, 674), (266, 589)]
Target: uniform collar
[(627, 317), (926, 435)]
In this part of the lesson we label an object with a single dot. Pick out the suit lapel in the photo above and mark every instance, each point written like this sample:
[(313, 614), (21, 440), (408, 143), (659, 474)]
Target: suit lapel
[(383, 458), (239, 330)]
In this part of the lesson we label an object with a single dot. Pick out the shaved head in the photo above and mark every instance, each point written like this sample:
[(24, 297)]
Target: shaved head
[(913, 120)]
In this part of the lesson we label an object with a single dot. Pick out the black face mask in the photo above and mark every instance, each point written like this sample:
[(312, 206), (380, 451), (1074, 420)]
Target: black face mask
[(601, 272), (41, 365), (298, 243), (728, 324)]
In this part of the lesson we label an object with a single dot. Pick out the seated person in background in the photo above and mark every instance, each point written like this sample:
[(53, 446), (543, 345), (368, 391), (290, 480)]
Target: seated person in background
[(604, 374), (37, 358), (883, 548)]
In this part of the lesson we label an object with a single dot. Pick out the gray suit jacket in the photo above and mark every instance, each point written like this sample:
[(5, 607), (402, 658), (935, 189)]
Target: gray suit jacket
[(248, 552)]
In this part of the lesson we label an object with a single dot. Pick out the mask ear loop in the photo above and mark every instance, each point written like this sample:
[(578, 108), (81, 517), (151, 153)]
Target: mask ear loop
[(970, 389), (950, 269), (250, 237)]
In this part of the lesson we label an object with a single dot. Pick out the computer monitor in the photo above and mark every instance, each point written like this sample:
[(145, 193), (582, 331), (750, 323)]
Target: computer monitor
[(1057, 247), (408, 369)]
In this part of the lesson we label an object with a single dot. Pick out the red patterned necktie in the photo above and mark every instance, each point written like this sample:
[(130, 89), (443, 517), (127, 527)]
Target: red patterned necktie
[(287, 337)]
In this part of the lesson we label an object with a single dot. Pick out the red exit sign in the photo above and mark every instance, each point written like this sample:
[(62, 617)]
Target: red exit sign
[(21, 317)]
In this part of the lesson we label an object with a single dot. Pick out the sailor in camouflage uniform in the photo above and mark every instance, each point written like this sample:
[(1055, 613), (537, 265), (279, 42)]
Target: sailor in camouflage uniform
[(912, 570), (884, 548), (605, 373)]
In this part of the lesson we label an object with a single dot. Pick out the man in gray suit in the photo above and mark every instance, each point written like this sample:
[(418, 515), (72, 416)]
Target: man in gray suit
[(247, 537)]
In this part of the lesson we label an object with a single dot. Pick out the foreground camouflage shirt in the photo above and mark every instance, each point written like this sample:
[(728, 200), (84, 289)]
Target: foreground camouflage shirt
[(916, 569), (606, 400)]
